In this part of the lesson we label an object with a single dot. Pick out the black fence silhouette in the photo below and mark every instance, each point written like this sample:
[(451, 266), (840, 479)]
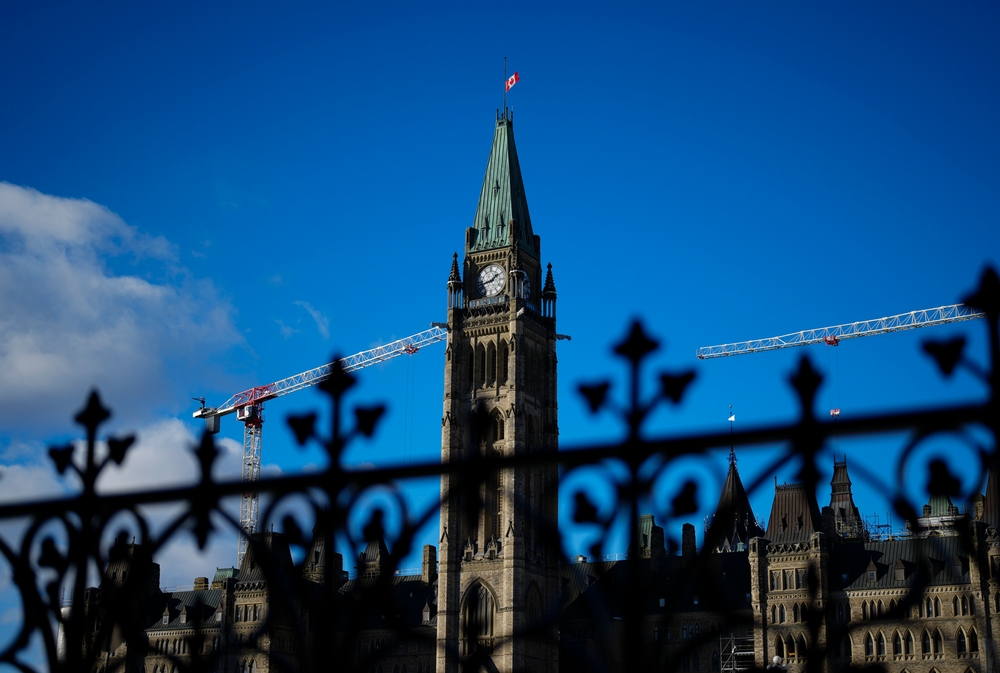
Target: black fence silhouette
[(322, 626)]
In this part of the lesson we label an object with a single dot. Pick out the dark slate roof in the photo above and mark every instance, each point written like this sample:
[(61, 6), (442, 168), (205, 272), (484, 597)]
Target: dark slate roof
[(276, 546), (708, 583), (734, 521), (395, 602), (943, 559), (198, 605), (794, 514), (502, 198)]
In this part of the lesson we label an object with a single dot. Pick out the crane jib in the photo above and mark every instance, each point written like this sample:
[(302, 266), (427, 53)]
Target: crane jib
[(832, 336)]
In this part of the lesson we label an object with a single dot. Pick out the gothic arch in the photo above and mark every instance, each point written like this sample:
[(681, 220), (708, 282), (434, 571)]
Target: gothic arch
[(503, 360), (491, 363), (897, 644), (480, 366), (960, 643), (869, 645), (779, 646), (478, 616)]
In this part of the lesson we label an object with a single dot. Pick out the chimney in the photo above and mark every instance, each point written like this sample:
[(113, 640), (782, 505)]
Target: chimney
[(201, 584), (429, 565), (688, 548)]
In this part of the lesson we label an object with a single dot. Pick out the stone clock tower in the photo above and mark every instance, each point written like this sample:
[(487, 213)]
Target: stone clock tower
[(497, 584)]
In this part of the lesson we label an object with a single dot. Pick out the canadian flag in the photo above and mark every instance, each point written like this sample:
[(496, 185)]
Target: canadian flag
[(512, 80)]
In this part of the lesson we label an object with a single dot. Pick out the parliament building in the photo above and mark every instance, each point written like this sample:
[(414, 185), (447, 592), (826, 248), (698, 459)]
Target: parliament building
[(494, 594)]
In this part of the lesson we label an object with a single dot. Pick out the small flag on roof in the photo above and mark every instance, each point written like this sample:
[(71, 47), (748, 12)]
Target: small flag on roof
[(732, 418), (512, 80)]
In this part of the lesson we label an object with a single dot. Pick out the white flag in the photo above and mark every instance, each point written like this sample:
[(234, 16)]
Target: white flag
[(732, 418)]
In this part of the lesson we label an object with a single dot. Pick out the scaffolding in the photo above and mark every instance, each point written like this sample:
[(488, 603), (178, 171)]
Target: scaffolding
[(737, 652)]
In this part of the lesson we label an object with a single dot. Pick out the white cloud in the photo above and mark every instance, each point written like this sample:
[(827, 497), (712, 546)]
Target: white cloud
[(286, 331), (163, 456), (322, 322), (69, 321)]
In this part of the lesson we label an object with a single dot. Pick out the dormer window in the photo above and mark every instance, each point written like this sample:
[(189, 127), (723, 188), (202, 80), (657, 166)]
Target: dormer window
[(166, 619), (871, 575), (183, 619), (218, 616)]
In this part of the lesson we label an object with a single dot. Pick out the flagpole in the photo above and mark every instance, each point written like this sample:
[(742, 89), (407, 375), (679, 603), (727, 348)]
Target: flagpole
[(505, 87)]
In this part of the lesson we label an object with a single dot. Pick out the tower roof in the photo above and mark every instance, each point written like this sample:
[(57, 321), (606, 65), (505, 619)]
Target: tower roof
[(794, 514), (847, 520), (734, 521), (502, 203)]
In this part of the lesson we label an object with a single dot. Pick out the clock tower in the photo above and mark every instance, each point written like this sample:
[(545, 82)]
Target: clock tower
[(497, 583)]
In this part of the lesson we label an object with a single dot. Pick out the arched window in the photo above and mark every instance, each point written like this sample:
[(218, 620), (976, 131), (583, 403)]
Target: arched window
[(779, 646), (880, 608), (656, 632), (925, 643), (973, 641), (774, 613), (937, 607), (470, 356), (869, 645), (695, 661), (864, 610), (960, 642), (880, 645), (800, 646), (504, 361), (790, 647), (491, 366), (684, 631), (908, 644), (715, 660), (840, 612), (937, 641), (929, 606), (795, 612), (480, 366), (897, 644), (478, 615), (966, 605), (892, 604), (781, 614), (697, 629)]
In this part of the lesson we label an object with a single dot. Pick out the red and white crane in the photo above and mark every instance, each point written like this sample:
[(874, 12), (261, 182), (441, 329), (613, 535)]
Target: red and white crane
[(832, 336), (249, 408)]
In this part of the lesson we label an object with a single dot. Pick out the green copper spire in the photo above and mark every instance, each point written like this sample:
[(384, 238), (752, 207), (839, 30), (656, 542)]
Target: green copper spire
[(502, 215)]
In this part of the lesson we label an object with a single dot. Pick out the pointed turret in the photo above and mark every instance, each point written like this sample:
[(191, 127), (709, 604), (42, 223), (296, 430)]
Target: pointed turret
[(734, 523), (454, 284), (549, 295), (502, 217), (991, 504), (847, 521)]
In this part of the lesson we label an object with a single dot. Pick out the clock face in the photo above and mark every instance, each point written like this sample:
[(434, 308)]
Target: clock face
[(490, 281)]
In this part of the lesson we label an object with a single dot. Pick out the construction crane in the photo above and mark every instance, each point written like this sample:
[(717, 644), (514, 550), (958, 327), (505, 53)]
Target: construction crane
[(832, 336), (249, 408)]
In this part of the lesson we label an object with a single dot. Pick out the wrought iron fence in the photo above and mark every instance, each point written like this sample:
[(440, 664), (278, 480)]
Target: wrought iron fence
[(638, 613)]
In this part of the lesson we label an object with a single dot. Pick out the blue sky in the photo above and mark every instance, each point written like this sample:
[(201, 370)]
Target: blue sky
[(202, 199)]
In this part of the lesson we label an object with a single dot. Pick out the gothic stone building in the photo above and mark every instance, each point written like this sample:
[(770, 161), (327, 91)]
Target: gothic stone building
[(494, 596)]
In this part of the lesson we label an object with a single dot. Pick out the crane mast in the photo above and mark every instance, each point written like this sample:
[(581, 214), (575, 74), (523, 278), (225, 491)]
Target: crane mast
[(832, 336), (248, 406)]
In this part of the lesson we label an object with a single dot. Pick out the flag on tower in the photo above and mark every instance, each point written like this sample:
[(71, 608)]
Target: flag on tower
[(512, 80), (732, 418)]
